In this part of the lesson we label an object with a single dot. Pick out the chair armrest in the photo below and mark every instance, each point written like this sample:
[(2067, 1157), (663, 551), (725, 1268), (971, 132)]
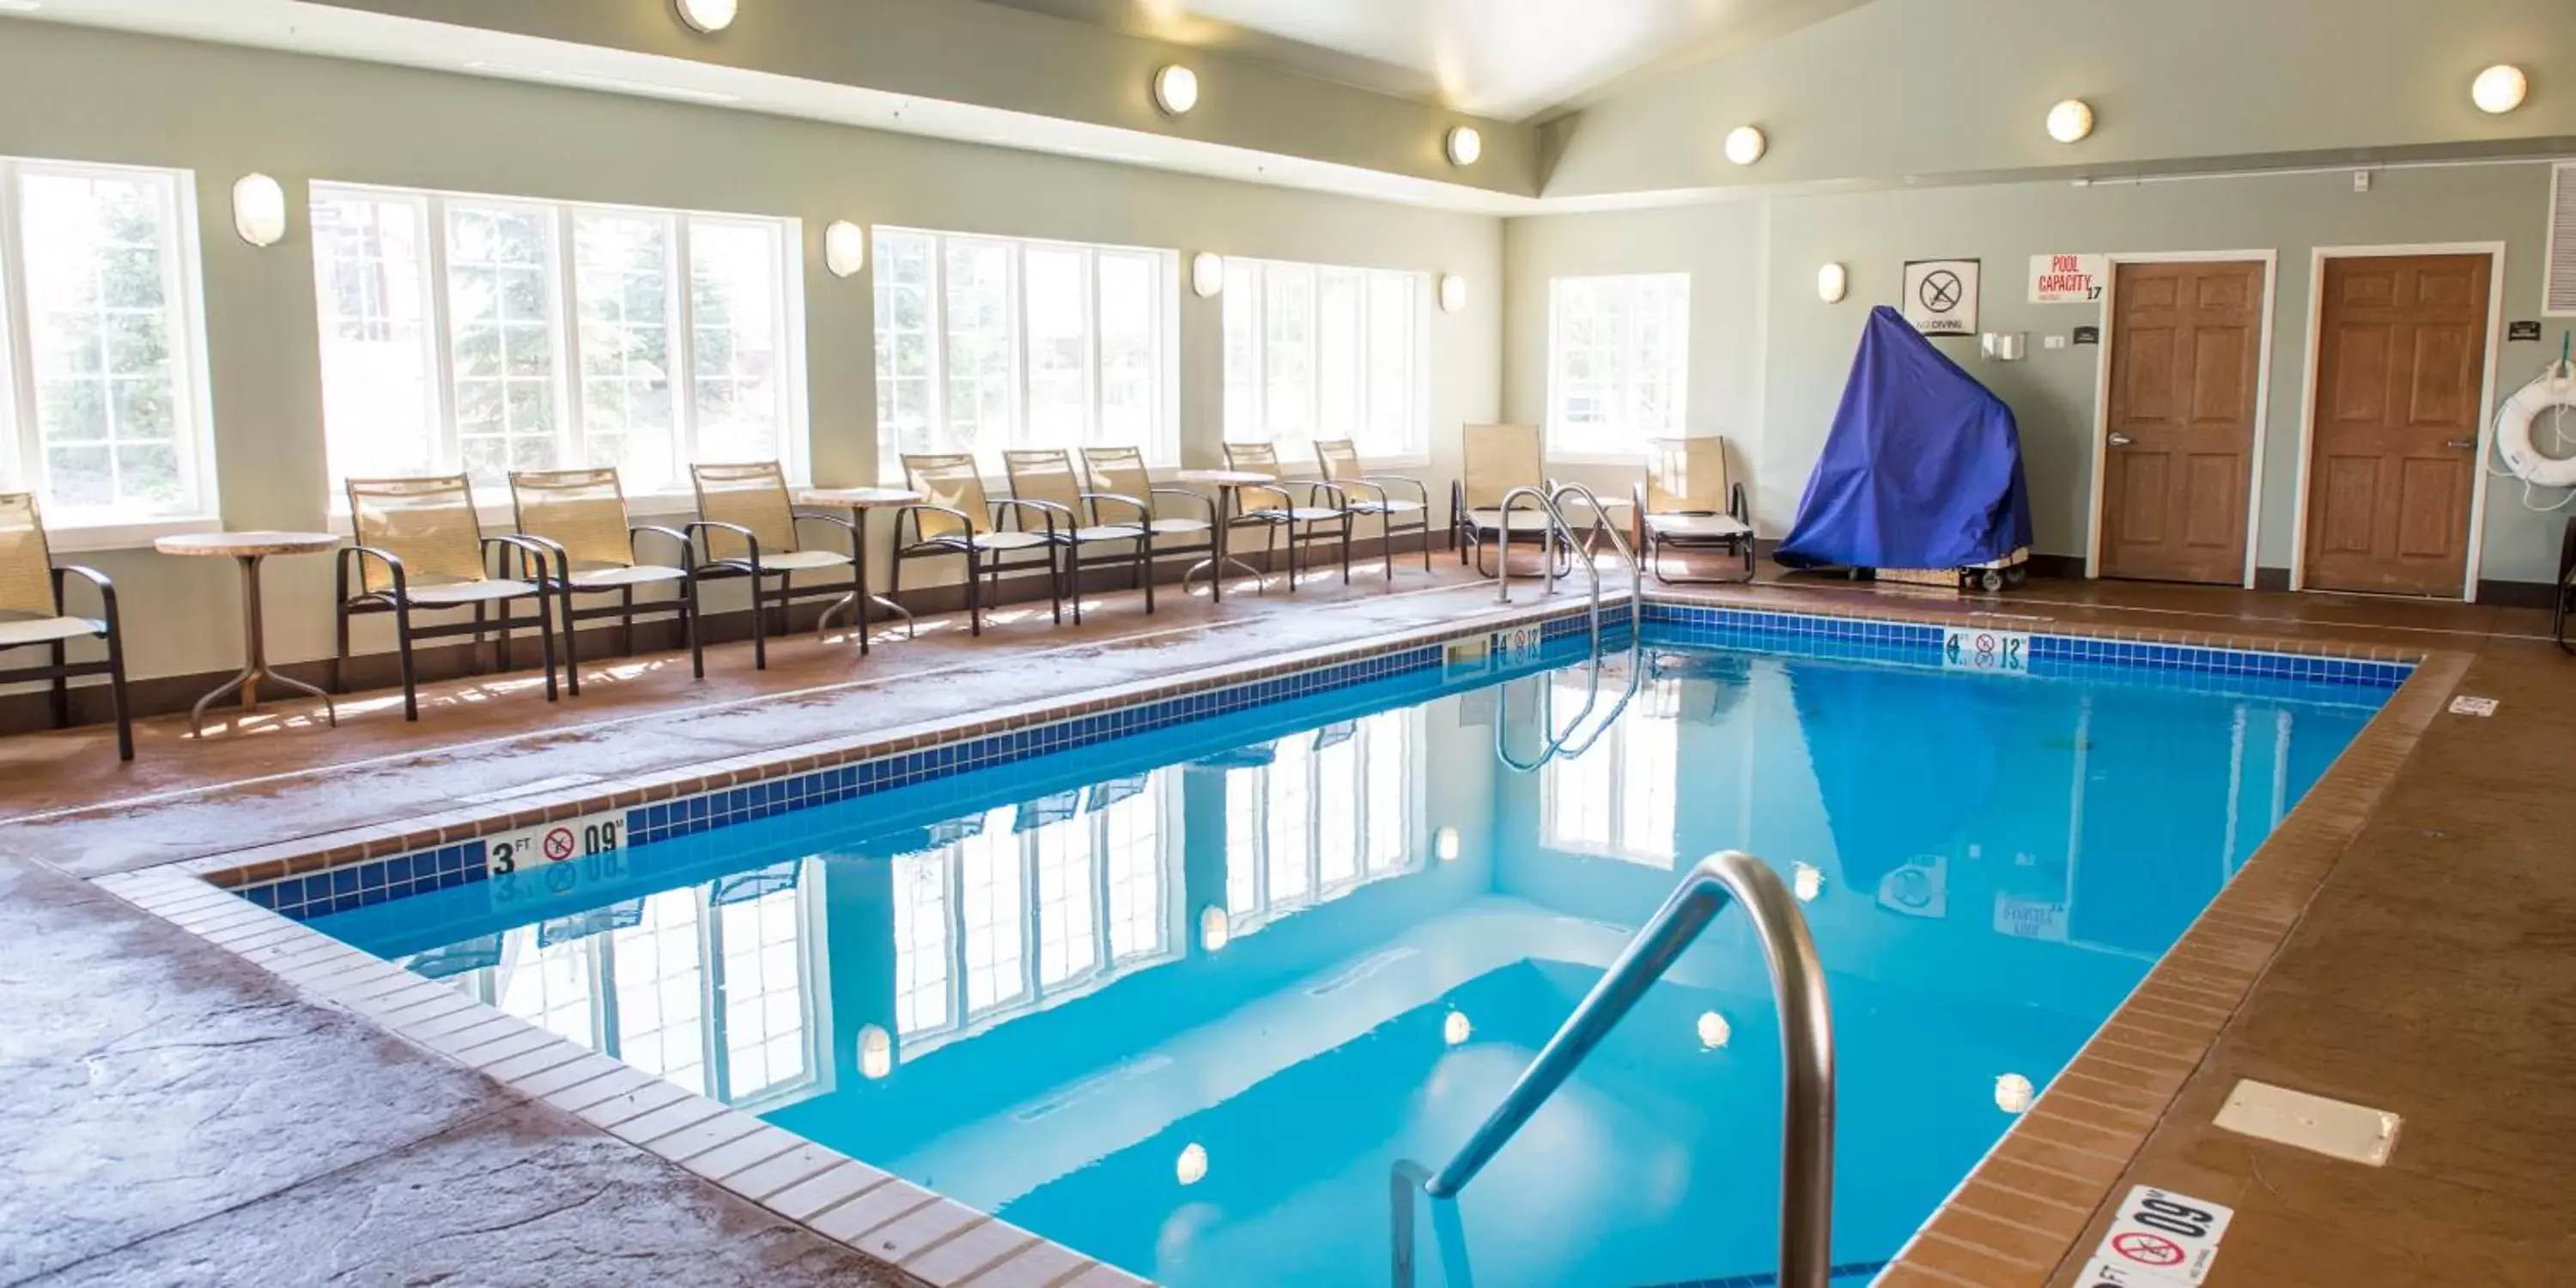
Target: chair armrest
[(1381, 482), (688, 550), (1322, 487), (1046, 510), (698, 530), (913, 512), (356, 556), (1349, 486), (1194, 496), (1737, 508), (836, 521), (538, 547), (554, 550), (98, 580), (1144, 511)]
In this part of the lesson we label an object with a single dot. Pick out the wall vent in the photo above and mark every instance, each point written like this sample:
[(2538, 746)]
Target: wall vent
[(2558, 299)]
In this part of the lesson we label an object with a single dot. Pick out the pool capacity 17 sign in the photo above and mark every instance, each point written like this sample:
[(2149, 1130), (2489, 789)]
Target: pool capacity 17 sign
[(2068, 279)]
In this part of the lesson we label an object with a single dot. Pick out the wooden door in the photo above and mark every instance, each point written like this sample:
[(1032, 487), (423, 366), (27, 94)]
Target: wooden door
[(2178, 464), (2393, 452)]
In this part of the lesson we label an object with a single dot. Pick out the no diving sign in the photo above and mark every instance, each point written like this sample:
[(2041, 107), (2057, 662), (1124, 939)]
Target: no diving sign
[(2161, 1240), (1941, 296)]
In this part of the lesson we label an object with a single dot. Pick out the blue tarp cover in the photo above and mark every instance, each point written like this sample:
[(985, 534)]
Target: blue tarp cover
[(1922, 468)]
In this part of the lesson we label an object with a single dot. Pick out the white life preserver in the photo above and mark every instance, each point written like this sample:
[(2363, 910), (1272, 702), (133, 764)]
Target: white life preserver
[(2513, 430)]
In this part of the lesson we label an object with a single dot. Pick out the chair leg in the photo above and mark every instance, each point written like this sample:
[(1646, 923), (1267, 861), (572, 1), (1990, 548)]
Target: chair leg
[(1386, 544), (1346, 547), (402, 651), (474, 665), (116, 693), (1145, 569), (572, 649), (689, 627), (62, 701), (1270, 561), (625, 625), (974, 601), (759, 628), (1425, 530), (786, 605), (1071, 580), (340, 654)]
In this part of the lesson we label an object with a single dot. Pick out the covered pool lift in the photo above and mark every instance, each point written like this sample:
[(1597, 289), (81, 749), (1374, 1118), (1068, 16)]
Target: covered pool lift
[(1921, 476)]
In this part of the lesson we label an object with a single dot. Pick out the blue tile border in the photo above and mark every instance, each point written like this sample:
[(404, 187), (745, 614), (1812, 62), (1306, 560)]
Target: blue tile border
[(374, 881)]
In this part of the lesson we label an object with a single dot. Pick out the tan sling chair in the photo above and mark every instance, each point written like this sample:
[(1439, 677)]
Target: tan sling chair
[(1365, 493), (419, 545), (580, 515), (1046, 476), (1274, 508), (748, 527), (1118, 475), (956, 518), (1686, 502), (32, 614), (1496, 459)]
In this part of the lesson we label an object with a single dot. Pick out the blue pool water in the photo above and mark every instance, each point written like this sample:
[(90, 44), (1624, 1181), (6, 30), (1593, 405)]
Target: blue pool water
[(1183, 1001)]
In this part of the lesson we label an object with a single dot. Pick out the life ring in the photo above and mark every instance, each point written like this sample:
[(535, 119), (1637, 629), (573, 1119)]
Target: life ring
[(2513, 430)]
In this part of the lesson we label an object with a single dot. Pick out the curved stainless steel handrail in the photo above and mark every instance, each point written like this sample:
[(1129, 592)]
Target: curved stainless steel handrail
[(1806, 1047), (1618, 541)]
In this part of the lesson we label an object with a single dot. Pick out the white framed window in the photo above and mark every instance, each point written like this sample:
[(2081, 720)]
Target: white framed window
[(1313, 351), (1618, 358), (1618, 798), (1012, 910), (986, 344), (481, 335), (102, 410), (716, 987), (1318, 815)]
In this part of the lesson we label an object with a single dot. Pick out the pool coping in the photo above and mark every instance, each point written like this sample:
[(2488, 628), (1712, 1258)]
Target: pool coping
[(936, 1241)]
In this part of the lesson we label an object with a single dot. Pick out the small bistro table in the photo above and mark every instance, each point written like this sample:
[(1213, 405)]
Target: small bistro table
[(248, 549), (1227, 484), (858, 501)]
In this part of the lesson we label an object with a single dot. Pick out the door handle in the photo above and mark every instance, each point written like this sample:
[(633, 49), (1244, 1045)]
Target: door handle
[(2120, 440), (2461, 444)]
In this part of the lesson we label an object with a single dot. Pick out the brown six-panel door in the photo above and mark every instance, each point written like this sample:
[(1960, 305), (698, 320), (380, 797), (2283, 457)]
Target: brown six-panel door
[(2186, 353), (2401, 359)]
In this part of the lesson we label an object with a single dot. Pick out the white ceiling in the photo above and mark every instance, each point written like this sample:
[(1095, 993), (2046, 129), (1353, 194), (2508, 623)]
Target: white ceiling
[(1511, 59)]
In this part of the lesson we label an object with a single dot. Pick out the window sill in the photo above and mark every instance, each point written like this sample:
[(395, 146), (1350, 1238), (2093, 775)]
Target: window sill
[(500, 517), (1596, 458), (93, 538)]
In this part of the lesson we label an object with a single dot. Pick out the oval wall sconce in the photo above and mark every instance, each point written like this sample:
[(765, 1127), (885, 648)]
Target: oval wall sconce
[(2499, 89), (876, 1052), (1207, 274), (1464, 145), (1745, 145), (707, 15), (1176, 89), (1453, 292), (2070, 121), (1832, 283), (1444, 844), (259, 209), (845, 248)]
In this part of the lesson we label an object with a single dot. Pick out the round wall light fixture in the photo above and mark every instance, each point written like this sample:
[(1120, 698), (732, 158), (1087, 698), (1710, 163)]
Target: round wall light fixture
[(2499, 89), (2070, 121), (259, 209), (707, 15), (1463, 145), (1832, 283), (845, 248), (1207, 274), (1745, 144), (876, 1052), (1453, 292), (1176, 89)]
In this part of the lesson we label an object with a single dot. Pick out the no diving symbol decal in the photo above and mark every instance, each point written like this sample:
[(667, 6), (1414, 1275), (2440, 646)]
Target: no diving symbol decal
[(1941, 296), (559, 845), (2148, 1249)]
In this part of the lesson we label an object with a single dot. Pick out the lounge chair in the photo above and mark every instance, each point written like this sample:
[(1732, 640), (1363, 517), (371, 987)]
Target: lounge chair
[(33, 613), (419, 545), (1685, 502), (957, 518), (1048, 478), (581, 516), (1119, 474), (748, 527), (1364, 493), (1276, 509), (1495, 460)]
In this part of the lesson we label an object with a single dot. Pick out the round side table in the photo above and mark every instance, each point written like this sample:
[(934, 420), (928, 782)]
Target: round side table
[(1227, 484), (858, 501), (248, 549)]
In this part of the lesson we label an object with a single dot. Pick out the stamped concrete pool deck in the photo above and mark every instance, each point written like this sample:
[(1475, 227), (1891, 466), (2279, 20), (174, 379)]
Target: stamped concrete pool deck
[(180, 1116)]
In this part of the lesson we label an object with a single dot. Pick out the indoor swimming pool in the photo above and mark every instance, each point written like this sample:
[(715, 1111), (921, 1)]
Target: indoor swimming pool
[(1186, 1000)]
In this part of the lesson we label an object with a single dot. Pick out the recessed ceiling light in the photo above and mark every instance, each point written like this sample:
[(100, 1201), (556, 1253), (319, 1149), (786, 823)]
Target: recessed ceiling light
[(707, 15), (1745, 145), (1176, 89), (2499, 89), (1464, 145), (2070, 121)]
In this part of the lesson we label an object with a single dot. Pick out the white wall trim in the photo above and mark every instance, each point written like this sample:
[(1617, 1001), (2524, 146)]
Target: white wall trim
[(2317, 257), (2271, 262)]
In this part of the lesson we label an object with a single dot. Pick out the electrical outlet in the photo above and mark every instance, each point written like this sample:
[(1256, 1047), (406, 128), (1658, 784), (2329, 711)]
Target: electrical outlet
[(2053, 342)]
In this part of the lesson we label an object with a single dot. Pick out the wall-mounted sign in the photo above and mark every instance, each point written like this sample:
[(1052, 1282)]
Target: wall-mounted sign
[(2088, 335), (2522, 330), (1941, 296), (2068, 279)]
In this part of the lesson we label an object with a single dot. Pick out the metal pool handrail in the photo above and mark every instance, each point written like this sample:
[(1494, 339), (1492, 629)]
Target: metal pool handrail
[(1627, 554), (1806, 1047)]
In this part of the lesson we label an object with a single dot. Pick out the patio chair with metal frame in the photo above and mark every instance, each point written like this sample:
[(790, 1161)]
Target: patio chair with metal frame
[(418, 544), (1366, 494), (33, 613), (1047, 477), (1494, 460), (957, 518), (580, 515), (1685, 502), (749, 527), (1275, 508), (1119, 475)]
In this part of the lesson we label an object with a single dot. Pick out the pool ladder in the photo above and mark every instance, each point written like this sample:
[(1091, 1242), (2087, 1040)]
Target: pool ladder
[(1552, 505), (1806, 1047)]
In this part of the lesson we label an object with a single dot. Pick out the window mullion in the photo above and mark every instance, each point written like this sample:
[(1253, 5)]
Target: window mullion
[(680, 344), (935, 315), (1094, 326), (448, 451), (1018, 435), (570, 422), (603, 993), (712, 1039), (17, 358)]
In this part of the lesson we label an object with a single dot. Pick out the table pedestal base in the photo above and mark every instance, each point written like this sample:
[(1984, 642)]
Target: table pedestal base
[(255, 666)]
